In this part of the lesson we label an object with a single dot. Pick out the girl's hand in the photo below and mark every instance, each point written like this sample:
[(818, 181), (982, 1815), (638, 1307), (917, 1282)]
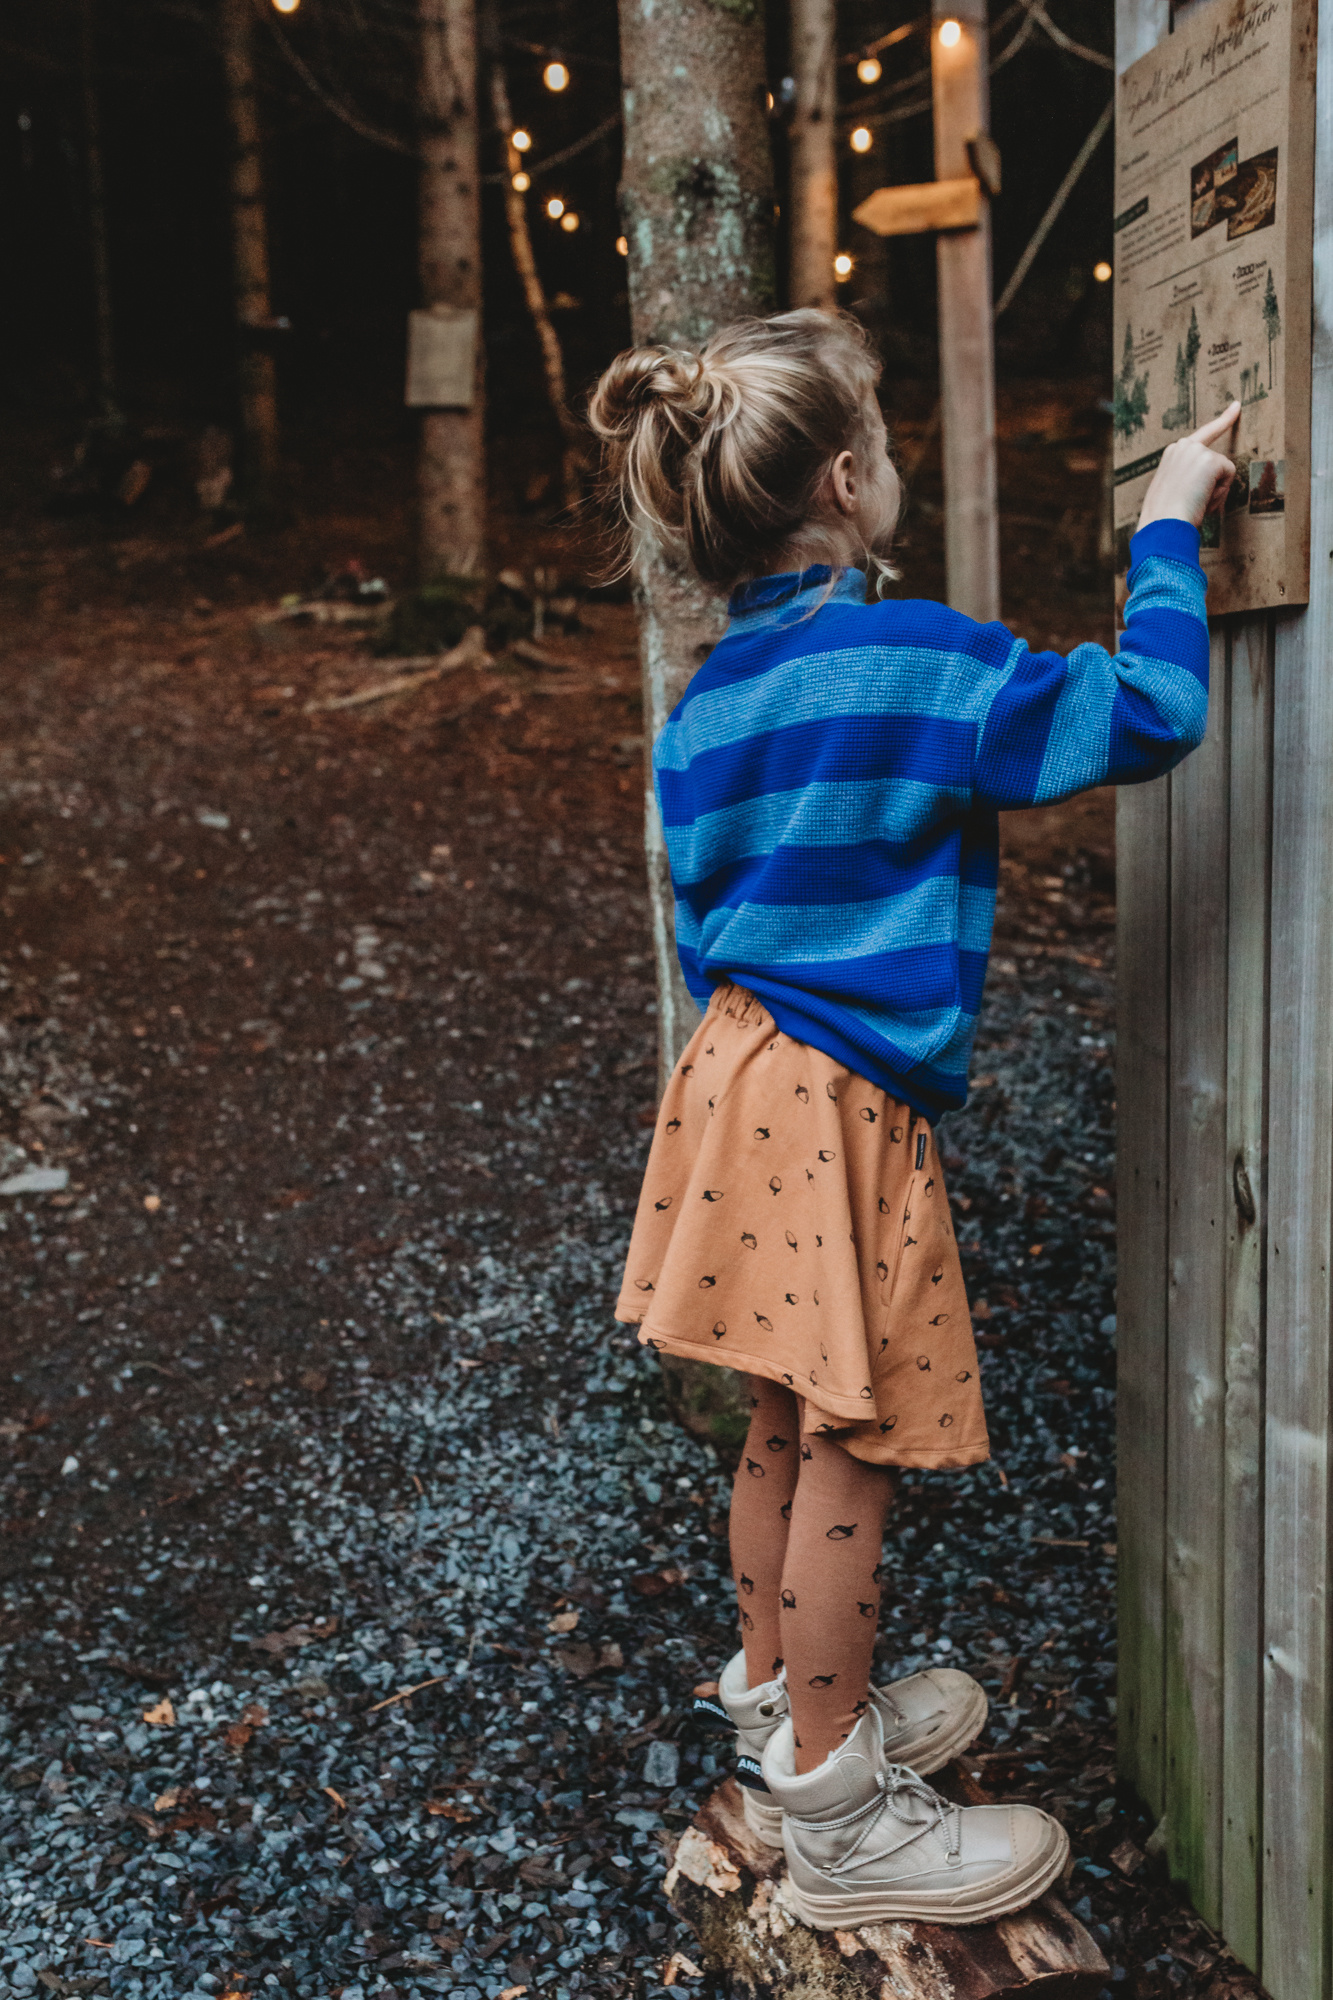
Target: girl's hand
[(1192, 479)]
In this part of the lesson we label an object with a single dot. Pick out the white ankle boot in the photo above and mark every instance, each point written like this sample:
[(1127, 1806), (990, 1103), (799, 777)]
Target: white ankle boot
[(755, 1713), (927, 1718), (867, 1841)]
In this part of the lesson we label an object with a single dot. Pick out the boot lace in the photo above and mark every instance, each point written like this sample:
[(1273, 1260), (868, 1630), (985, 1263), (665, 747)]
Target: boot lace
[(898, 1792)]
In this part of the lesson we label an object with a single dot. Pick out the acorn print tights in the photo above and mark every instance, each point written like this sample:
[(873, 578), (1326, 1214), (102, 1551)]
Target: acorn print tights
[(807, 1525)]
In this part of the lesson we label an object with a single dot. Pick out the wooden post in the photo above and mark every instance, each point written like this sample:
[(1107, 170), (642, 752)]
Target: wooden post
[(1225, 1306), (813, 190), (249, 238), (967, 350), (451, 470), (525, 263)]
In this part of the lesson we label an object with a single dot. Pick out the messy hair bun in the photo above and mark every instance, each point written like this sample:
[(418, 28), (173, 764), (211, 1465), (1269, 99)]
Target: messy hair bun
[(723, 452)]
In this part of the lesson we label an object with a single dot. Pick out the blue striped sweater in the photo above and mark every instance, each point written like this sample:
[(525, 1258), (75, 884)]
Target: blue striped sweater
[(829, 786)]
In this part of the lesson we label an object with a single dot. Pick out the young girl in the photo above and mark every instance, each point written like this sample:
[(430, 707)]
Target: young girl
[(829, 788)]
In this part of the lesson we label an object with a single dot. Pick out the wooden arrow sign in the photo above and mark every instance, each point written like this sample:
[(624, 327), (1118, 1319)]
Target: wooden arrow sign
[(922, 206)]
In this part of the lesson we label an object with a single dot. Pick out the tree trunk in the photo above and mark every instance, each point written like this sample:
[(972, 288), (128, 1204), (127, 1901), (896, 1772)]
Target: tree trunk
[(697, 198), (813, 193), (249, 239), (452, 466), (108, 402), (525, 263)]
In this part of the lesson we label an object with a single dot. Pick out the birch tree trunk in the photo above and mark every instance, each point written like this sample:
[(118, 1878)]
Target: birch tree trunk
[(697, 200), (813, 195), (249, 238), (525, 263), (451, 471)]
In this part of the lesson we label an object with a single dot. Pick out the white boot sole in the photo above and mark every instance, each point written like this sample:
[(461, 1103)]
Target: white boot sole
[(763, 1818), (979, 1903), (934, 1753)]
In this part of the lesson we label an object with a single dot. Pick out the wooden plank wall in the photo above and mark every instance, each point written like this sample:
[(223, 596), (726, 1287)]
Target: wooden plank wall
[(1143, 960), (1295, 1942), (1196, 1300), (1245, 1204), (1225, 1304)]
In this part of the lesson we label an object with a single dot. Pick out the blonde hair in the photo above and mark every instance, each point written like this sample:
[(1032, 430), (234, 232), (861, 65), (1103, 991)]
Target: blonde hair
[(723, 454)]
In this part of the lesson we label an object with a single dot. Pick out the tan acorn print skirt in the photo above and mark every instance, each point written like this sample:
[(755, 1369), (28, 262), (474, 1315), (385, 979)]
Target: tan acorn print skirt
[(794, 1224)]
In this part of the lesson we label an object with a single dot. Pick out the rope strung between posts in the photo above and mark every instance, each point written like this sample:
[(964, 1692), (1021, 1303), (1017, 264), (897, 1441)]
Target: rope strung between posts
[(911, 466), (1038, 13), (1057, 202)]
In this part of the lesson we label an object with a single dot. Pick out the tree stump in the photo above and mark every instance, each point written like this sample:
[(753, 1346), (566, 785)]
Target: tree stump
[(711, 1403), (731, 1890)]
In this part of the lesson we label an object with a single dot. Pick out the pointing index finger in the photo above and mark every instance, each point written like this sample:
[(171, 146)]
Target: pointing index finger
[(1217, 425)]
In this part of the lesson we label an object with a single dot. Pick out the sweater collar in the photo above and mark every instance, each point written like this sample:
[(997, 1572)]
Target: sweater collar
[(801, 590)]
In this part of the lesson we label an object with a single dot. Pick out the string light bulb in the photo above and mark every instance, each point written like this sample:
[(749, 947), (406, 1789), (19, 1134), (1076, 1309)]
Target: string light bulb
[(286, 6), (569, 222), (869, 70), (555, 208), (862, 140), (951, 34), (843, 266), (1101, 271), (622, 246), (522, 182), (555, 76), (520, 140)]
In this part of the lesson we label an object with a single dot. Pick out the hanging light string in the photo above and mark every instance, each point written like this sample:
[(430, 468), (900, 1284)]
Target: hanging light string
[(601, 131), (1034, 16), (856, 120), (345, 112)]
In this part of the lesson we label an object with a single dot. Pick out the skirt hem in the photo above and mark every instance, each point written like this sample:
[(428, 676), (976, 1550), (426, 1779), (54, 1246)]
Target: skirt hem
[(953, 1458)]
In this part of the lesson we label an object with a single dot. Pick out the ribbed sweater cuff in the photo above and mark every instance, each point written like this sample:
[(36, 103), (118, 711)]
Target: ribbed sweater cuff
[(1177, 539)]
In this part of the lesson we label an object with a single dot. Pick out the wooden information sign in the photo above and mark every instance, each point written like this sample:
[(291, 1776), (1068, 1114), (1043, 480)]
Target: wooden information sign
[(1213, 231)]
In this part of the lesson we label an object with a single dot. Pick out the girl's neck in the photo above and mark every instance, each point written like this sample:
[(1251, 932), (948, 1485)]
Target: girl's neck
[(837, 551)]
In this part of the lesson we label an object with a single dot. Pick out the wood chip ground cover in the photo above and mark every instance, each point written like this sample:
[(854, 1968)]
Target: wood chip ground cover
[(341, 1025)]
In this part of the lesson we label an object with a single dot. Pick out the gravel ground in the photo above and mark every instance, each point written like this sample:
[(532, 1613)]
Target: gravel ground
[(355, 1576)]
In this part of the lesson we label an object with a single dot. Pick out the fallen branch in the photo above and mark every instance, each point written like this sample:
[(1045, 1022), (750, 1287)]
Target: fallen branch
[(469, 652), (405, 1694), (324, 611), (538, 656)]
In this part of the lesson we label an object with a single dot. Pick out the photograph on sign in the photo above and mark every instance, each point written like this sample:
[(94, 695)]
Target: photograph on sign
[(1214, 192)]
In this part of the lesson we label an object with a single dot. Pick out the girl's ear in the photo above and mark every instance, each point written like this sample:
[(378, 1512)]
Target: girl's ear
[(842, 479)]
